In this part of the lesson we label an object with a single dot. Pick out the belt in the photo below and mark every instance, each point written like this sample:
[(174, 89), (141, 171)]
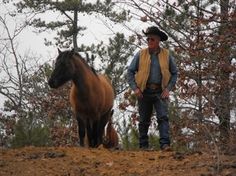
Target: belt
[(153, 86)]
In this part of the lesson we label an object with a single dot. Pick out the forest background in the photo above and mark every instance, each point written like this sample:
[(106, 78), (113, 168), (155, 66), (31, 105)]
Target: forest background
[(202, 38)]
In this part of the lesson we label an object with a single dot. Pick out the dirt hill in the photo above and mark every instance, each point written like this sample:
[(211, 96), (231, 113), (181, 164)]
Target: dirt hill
[(75, 161)]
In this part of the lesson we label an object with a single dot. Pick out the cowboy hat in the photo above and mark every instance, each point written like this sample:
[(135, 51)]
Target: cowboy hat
[(156, 31)]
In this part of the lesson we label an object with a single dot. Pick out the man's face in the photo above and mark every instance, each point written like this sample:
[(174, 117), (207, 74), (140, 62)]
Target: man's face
[(153, 41)]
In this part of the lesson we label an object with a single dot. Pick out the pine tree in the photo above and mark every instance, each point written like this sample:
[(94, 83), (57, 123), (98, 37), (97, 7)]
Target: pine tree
[(68, 28)]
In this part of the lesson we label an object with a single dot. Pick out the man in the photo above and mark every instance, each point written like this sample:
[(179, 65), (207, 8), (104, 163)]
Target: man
[(152, 74)]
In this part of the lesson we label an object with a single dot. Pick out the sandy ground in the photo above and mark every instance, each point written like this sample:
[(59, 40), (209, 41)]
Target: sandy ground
[(76, 161)]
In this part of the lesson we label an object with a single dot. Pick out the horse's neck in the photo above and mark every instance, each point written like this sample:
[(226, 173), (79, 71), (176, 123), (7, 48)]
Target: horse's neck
[(84, 78)]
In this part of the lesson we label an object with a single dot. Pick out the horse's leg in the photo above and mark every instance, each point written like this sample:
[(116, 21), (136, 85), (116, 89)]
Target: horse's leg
[(103, 121), (90, 134), (81, 130), (100, 132), (96, 134), (93, 134)]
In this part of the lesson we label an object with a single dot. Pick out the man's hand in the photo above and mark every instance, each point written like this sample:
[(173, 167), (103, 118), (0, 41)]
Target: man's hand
[(138, 93), (165, 94)]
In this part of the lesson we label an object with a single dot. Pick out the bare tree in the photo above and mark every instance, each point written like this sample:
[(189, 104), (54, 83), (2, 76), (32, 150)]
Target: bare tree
[(202, 36)]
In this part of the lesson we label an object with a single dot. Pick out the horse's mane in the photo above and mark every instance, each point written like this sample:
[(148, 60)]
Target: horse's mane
[(86, 64)]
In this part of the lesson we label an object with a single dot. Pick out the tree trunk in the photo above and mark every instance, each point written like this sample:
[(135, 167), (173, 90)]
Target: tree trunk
[(223, 113), (75, 30), (223, 97)]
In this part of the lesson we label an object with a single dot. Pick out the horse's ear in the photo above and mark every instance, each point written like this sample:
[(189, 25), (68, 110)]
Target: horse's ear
[(59, 51), (73, 50)]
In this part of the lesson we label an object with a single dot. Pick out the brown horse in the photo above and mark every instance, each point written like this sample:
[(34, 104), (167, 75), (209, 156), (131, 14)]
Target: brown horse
[(110, 137), (91, 95)]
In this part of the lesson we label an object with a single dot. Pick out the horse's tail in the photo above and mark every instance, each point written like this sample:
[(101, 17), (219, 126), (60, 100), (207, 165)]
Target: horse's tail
[(110, 137), (109, 122)]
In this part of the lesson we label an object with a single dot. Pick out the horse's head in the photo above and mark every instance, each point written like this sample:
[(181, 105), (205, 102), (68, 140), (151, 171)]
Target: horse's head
[(63, 69)]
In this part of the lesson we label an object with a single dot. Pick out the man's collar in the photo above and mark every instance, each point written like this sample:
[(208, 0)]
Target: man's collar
[(154, 51)]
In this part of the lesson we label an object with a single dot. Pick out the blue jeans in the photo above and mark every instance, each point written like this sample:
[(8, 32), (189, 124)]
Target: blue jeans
[(152, 99)]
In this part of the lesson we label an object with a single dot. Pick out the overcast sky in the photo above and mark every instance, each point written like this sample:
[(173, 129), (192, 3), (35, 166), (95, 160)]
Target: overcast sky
[(29, 40)]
